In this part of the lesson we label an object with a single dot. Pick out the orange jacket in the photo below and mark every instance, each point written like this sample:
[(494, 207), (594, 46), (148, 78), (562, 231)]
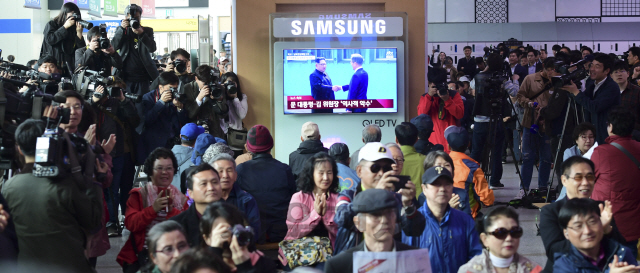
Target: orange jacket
[(469, 176)]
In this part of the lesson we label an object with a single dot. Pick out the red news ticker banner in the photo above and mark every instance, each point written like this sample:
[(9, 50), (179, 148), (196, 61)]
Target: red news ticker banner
[(307, 102)]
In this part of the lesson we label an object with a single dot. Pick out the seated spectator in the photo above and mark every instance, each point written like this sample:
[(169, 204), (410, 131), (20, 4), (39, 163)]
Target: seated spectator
[(232, 193), (470, 176), (349, 179), (590, 251), (500, 233), (370, 133), (406, 137), (425, 128), (460, 242), (459, 197), (166, 242), (578, 178), (584, 136), (444, 110), (630, 93), (373, 210), (201, 260), (312, 209), (203, 183), (203, 142), (617, 170), (376, 171), (60, 207), (217, 225), (156, 201), (270, 182), (216, 149), (8, 238), (188, 135), (310, 145)]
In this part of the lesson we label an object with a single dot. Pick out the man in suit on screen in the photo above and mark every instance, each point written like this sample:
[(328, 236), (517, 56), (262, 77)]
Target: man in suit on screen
[(358, 85), (321, 88)]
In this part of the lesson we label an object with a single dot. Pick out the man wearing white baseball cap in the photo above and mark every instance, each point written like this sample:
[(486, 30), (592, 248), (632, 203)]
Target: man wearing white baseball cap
[(376, 171)]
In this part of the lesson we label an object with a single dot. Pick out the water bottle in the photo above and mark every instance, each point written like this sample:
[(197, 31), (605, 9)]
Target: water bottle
[(534, 127)]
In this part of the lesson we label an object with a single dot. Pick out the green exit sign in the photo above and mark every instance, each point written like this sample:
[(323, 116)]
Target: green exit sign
[(169, 12)]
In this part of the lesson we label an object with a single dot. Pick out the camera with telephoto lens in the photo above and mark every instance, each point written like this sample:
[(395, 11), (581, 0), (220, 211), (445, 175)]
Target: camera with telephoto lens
[(83, 23), (243, 234), (216, 90), (104, 40), (568, 76), (131, 10), (231, 87)]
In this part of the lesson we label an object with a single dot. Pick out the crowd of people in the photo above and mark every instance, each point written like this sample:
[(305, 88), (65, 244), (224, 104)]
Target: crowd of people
[(209, 206)]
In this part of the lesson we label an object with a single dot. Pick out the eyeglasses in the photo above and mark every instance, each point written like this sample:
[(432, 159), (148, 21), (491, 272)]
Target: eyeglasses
[(585, 137), (169, 250), (398, 160), (75, 107), (159, 169), (578, 177), (501, 233), (375, 168), (577, 227)]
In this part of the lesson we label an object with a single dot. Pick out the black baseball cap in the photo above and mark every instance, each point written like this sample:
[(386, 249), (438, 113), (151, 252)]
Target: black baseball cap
[(434, 173), (373, 200)]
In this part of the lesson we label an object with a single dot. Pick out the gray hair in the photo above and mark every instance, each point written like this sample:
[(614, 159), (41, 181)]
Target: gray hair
[(371, 133), (226, 157), (160, 229), (393, 144)]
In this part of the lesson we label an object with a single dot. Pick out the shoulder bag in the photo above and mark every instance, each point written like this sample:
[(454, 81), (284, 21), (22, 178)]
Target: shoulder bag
[(237, 138), (306, 251), (627, 153)]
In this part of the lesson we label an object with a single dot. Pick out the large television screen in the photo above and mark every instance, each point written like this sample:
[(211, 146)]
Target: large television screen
[(346, 80)]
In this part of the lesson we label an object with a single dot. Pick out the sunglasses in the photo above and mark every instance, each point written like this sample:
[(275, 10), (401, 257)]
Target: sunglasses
[(375, 168), (501, 233)]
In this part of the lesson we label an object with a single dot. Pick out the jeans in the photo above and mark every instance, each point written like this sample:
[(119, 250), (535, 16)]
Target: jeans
[(480, 134), (533, 144), (123, 172)]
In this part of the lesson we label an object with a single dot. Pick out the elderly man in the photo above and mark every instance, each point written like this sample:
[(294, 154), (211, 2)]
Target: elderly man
[(375, 215), (232, 193), (311, 144), (375, 169), (370, 133)]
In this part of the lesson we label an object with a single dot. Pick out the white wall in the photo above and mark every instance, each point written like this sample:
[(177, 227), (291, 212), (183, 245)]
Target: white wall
[(24, 46)]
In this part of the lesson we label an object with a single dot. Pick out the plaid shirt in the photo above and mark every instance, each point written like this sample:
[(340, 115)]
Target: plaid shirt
[(630, 99)]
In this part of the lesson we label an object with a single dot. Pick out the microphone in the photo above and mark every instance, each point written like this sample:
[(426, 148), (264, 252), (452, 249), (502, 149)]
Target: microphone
[(588, 58), (16, 66)]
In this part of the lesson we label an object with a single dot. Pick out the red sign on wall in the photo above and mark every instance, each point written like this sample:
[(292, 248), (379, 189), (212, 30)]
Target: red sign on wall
[(148, 8)]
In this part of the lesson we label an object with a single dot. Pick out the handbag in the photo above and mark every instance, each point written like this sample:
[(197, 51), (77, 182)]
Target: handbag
[(237, 138), (306, 251)]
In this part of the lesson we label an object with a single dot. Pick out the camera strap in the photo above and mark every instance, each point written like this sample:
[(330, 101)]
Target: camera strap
[(627, 153)]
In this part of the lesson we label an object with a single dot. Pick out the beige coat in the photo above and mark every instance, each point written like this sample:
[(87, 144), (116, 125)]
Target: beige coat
[(482, 264), (531, 86)]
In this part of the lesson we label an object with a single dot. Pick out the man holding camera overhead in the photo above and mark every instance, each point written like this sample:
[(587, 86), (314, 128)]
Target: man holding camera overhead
[(135, 43), (99, 54), (205, 99)]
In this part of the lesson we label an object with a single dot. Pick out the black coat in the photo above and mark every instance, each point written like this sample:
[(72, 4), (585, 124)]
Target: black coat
[(119, 118), (190, 221), (123, 42), (86, 57), (306, 150), (469, 67), (553, 238), (62, 44), (343, 262), (521, 71), (206, 110), (596, 107)]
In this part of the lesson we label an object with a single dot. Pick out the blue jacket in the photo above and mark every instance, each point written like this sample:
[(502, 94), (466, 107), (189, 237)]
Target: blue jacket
[(357, 88), (464, 199), (451, 243), (348, 236), (161, 122), (271, 183), (349, 180), (248, 205), (321, 86), (596, 107), (574, 262)]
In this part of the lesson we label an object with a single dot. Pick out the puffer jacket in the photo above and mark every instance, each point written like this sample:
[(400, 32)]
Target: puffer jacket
[(470, 177)]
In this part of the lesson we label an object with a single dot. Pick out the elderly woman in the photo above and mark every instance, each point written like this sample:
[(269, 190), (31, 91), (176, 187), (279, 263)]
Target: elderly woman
[(500, 234), (156, 201), (584, 136), (166, 241)]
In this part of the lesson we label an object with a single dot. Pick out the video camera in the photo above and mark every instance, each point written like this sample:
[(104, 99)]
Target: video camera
[(83, 23), (574, 76), (104, 40), (86, 81)]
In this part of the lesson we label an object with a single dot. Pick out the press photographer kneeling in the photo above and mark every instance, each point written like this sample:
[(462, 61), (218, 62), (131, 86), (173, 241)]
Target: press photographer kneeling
[(206, 100)]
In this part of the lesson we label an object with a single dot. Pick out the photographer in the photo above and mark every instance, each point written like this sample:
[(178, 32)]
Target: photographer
[(444, 106), (439, 61), (95, 57), (116, 115), (62, 37), (238, 108), (48, 66), (163, 116), (487, 96), (135, 46), (205, 104), (180, 60), (51, 215)]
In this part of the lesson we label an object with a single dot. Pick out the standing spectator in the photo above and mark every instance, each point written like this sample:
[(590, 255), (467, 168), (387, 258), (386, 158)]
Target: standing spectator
[(634, 62), (516, 68), (166, 242), (188, 135), (63, 208), (468, 101), (617, 172), (370, 133), (312, 209), (203, 104), (585, 50), (135, 46), (349, 179), (533, 65), (94, 57), (629, 94), (62, 37), (406, 137), (311, 144), (437, 61), (467, 65), (543, 55), (600, 96), (215, 58), (425, 128), (232, 193), (452, 73), (238, 108), (155, 202), (445, 110), (270, 182), (163, 114)]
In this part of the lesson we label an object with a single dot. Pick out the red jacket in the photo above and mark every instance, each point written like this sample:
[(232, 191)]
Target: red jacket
[(137, 220), (452, 112), (617, 181)]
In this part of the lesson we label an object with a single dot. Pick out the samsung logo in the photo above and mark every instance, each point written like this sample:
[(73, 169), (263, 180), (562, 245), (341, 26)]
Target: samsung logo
[(338, 27), (345, 16)]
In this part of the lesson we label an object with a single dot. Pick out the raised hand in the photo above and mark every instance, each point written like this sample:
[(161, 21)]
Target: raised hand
[(455, 201)]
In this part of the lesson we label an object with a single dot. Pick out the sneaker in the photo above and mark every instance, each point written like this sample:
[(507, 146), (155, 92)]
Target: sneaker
[(112, 231), (521, 193), (504, 160), (496, 186)]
